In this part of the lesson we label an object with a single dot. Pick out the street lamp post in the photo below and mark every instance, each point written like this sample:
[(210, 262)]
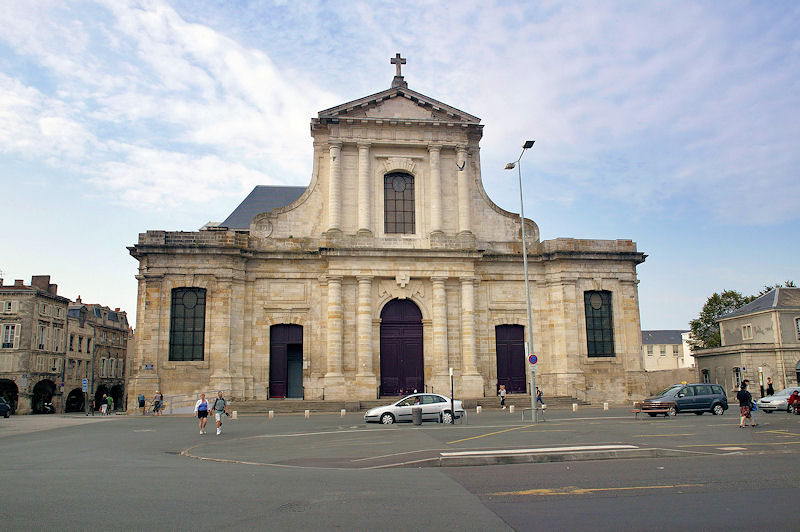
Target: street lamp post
[(510, 166)]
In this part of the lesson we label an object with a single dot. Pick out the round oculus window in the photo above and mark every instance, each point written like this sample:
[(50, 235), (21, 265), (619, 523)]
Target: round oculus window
[(596, 301), (189, 299), (399, 183)]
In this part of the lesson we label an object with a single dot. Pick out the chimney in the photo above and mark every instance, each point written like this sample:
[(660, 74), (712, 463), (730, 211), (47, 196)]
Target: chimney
[(42, 282), (52, 289), (79, 299), (18, 282), (116, 309)]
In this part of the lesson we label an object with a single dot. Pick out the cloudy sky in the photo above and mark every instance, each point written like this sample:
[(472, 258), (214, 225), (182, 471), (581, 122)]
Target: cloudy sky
[(674, 124)]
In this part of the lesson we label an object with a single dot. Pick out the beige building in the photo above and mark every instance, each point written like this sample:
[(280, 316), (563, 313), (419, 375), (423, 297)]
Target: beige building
[(664, 349), (759, 340), (392, 267), (32, 344)]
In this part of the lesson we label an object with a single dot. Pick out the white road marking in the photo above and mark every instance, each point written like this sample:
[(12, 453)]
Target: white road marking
[(539, 450)]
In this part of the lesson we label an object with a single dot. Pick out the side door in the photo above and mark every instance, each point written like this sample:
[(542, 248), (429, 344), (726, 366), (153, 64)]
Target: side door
[(402, 409), (702, 397), (430, 407), (684, 399)]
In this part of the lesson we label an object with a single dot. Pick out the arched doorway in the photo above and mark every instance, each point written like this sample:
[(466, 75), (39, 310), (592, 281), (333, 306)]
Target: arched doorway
[(98, 395), (43, 393), (10, 392), (510, 345), (74, 402), (286, 361), (117, 393), (402, 369)]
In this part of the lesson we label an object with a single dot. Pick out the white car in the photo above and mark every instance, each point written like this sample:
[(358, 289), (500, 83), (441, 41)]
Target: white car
[(779, 401), (435, 407)]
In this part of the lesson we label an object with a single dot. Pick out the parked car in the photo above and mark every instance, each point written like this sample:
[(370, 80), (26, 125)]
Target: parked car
[(779, 401), (435, 407), (697, 398), (5, 408)]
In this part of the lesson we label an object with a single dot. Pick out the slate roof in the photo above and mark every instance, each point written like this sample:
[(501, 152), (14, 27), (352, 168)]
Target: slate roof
[(662, 337), (263, 198), (775, 299)]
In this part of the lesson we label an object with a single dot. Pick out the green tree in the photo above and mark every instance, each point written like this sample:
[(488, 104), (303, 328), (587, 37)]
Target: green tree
[(767, 288), (705, 331)]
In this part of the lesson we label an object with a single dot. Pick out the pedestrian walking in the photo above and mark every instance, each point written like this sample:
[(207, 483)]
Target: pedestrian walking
[(745, 403), (141, 402), (770, 387), (201, 413), (220, 409), (158, 400), (540, 398), (104, 405), (502, 395), (110, 400)]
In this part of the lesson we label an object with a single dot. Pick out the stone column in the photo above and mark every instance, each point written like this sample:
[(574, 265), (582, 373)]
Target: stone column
[(365, 375), (471, 380), (364, 195), (441, 377), (464, 195), (335, 187), (334, 358), (436, 188)]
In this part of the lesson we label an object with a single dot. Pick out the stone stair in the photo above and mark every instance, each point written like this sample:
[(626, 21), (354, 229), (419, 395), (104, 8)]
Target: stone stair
[(295, 406)]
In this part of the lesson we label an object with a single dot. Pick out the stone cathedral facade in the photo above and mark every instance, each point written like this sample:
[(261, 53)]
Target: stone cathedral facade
[(392, 267)]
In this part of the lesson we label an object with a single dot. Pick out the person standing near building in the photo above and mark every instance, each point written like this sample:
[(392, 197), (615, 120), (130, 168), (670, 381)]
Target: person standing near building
[(220, 409), (201, 413), (502, 395), (158, 398), (141, 402), (110, 400), (104, 405), (745, 402), (770, 388)]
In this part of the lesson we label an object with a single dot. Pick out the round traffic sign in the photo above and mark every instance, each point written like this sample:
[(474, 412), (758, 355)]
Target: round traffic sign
[(532, 359)]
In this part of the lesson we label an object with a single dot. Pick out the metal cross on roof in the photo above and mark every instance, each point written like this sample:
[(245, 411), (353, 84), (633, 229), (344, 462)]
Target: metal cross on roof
[(397, 61)]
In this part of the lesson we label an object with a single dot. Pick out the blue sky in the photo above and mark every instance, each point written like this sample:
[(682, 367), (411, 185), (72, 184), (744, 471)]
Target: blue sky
[(673, 124)]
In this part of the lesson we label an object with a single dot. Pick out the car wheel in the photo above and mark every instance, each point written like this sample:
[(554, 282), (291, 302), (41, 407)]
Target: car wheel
[(447, 417), (387, 419), (699, 413), (6, 414), (717, 410), (671, 411)]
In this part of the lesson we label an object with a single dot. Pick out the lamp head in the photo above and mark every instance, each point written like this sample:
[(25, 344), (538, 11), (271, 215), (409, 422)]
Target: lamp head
[(528, 144), (510, 166)]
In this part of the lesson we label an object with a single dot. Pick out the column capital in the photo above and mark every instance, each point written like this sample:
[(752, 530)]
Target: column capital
[(335, 144), (365, 278), (364, 144), (468, 279), (439, 278), (434, 147), (461, 149)]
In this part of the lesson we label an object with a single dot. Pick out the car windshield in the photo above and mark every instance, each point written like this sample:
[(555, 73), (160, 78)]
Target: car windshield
[(667, 391)]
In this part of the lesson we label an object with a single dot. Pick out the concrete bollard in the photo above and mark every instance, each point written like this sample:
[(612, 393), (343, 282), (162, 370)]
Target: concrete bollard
[(605, 406), (510, 409), (343, 412), (574, 407), (478, 409), (271, 414), (235, 414), (307, 414)]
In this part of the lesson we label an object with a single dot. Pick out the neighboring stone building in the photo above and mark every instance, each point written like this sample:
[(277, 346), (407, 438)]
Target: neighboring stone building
[(390, 268), (664, 349), (32, 343), (98, 347), (759, 340)]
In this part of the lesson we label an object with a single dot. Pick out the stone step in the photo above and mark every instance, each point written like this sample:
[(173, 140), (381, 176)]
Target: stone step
[(289, 406)]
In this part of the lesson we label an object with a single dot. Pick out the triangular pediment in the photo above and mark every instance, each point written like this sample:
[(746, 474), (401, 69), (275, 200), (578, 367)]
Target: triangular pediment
[(399, 103)]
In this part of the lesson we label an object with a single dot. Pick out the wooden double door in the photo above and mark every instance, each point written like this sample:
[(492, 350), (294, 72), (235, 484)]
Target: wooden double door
[(286, 361), (511, 363), (402, 368)]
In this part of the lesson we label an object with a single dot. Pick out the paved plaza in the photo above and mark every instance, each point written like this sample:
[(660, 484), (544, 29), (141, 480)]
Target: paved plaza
[(594, 469)]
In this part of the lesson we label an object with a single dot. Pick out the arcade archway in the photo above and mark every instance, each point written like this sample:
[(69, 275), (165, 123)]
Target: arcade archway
[(10, 392), (74, 401), (43, 392)]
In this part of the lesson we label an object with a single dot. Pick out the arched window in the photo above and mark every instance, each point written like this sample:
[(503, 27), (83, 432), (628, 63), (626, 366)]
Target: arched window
[(599, 323), (398, 203), (187, 324)]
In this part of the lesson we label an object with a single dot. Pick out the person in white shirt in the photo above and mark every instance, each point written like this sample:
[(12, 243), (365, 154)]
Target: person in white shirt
[(201, 412)]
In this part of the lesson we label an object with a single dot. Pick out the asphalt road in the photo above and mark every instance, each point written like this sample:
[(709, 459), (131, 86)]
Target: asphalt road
[(329, 472)]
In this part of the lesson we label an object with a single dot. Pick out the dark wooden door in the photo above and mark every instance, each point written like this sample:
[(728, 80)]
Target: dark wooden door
[(283, 340), (511, 358), (402, 369)]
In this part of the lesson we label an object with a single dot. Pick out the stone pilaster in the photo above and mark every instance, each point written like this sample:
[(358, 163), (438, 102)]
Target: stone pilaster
[(464, 193), (334, 378), (471, 381), (335, 187), (440, 377), (365, 375), (436, 188), (364, 195)]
